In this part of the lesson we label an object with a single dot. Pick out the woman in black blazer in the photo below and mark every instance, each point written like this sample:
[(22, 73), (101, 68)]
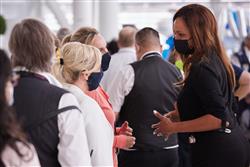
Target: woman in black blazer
[(204, 109)]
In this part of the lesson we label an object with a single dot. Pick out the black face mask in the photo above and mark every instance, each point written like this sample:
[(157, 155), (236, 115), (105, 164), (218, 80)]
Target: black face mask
[(94, 80), (105, 61), (182, 47)]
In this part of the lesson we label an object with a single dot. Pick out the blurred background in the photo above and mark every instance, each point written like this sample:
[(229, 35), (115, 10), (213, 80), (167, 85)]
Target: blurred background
[(108, 16)]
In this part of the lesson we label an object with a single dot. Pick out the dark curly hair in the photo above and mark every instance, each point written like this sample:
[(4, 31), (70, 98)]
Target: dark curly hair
[(10, 131)]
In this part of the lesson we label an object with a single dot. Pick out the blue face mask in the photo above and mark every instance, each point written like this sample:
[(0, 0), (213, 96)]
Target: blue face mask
[(105, 61), (94, 80)]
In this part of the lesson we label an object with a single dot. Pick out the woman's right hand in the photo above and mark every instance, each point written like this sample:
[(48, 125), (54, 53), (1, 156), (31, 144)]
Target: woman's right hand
[(124, 141), (130, 141)]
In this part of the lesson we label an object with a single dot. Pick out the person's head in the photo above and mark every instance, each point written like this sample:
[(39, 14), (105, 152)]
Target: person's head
[(90, 36), (78, 65), (10, 131), (32, 45), (112, 46), (247, 42), (147, 39), (127, 37), (66, 39), (62, 32), (196, 37)]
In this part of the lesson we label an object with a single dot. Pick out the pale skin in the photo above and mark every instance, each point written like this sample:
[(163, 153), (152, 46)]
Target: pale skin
[(99, 42), (168, 126), (244, 85)]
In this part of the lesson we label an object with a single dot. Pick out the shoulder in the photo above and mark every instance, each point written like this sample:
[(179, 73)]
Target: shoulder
[(126, 72), (11, 158), (209, 67), (68, 99)]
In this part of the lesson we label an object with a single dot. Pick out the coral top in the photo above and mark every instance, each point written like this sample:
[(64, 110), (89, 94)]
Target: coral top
[(101, 97)]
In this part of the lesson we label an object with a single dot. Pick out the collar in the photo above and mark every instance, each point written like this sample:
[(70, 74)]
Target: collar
[(150, 54), (28, 74), (79, 94), (20, 68), (47, 76), (127, 49)]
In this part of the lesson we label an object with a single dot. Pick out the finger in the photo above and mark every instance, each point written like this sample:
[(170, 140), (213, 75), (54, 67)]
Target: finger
[(129, 129), (159, 134), (165, 137), (128, 133), (158, 115), (155, 125), (131, 142), (133, 139), (156, 131), (124, 126), (167, 115)]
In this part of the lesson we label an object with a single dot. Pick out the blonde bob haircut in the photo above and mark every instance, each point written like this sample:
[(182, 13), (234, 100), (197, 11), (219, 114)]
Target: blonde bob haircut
[(76, 58)]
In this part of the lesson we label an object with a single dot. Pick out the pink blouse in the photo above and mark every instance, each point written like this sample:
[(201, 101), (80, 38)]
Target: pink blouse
[(101, 97)]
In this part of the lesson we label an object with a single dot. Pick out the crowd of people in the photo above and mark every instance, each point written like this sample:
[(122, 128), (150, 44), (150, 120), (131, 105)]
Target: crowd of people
[(66, 101)]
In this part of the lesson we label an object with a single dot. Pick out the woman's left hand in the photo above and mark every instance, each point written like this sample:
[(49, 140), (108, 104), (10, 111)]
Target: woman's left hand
[(163, 128)]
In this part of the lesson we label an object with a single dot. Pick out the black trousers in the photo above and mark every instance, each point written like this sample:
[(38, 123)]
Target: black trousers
[(217, 149), (161, 158), (184, 150)]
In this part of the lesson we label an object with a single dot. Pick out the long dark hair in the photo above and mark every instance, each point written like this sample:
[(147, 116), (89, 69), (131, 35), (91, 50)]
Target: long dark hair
[(10, 131), (202, 26)]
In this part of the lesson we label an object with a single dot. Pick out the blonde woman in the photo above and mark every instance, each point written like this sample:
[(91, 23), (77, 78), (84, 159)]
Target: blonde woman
[(77, 70), (123, 135)]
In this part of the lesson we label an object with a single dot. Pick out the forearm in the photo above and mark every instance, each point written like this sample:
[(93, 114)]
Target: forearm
[(244, 85), (204, 123), (242, 91)]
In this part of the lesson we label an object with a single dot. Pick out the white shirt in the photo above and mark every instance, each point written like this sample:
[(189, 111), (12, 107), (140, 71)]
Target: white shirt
[(11, 159), (124, 83), (123, 57), (99, 132), (73, 147)]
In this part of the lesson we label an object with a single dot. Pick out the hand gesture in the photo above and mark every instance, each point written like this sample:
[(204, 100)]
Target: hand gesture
[(125, 129), (130, 141), (173, 116), (165, 127)]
